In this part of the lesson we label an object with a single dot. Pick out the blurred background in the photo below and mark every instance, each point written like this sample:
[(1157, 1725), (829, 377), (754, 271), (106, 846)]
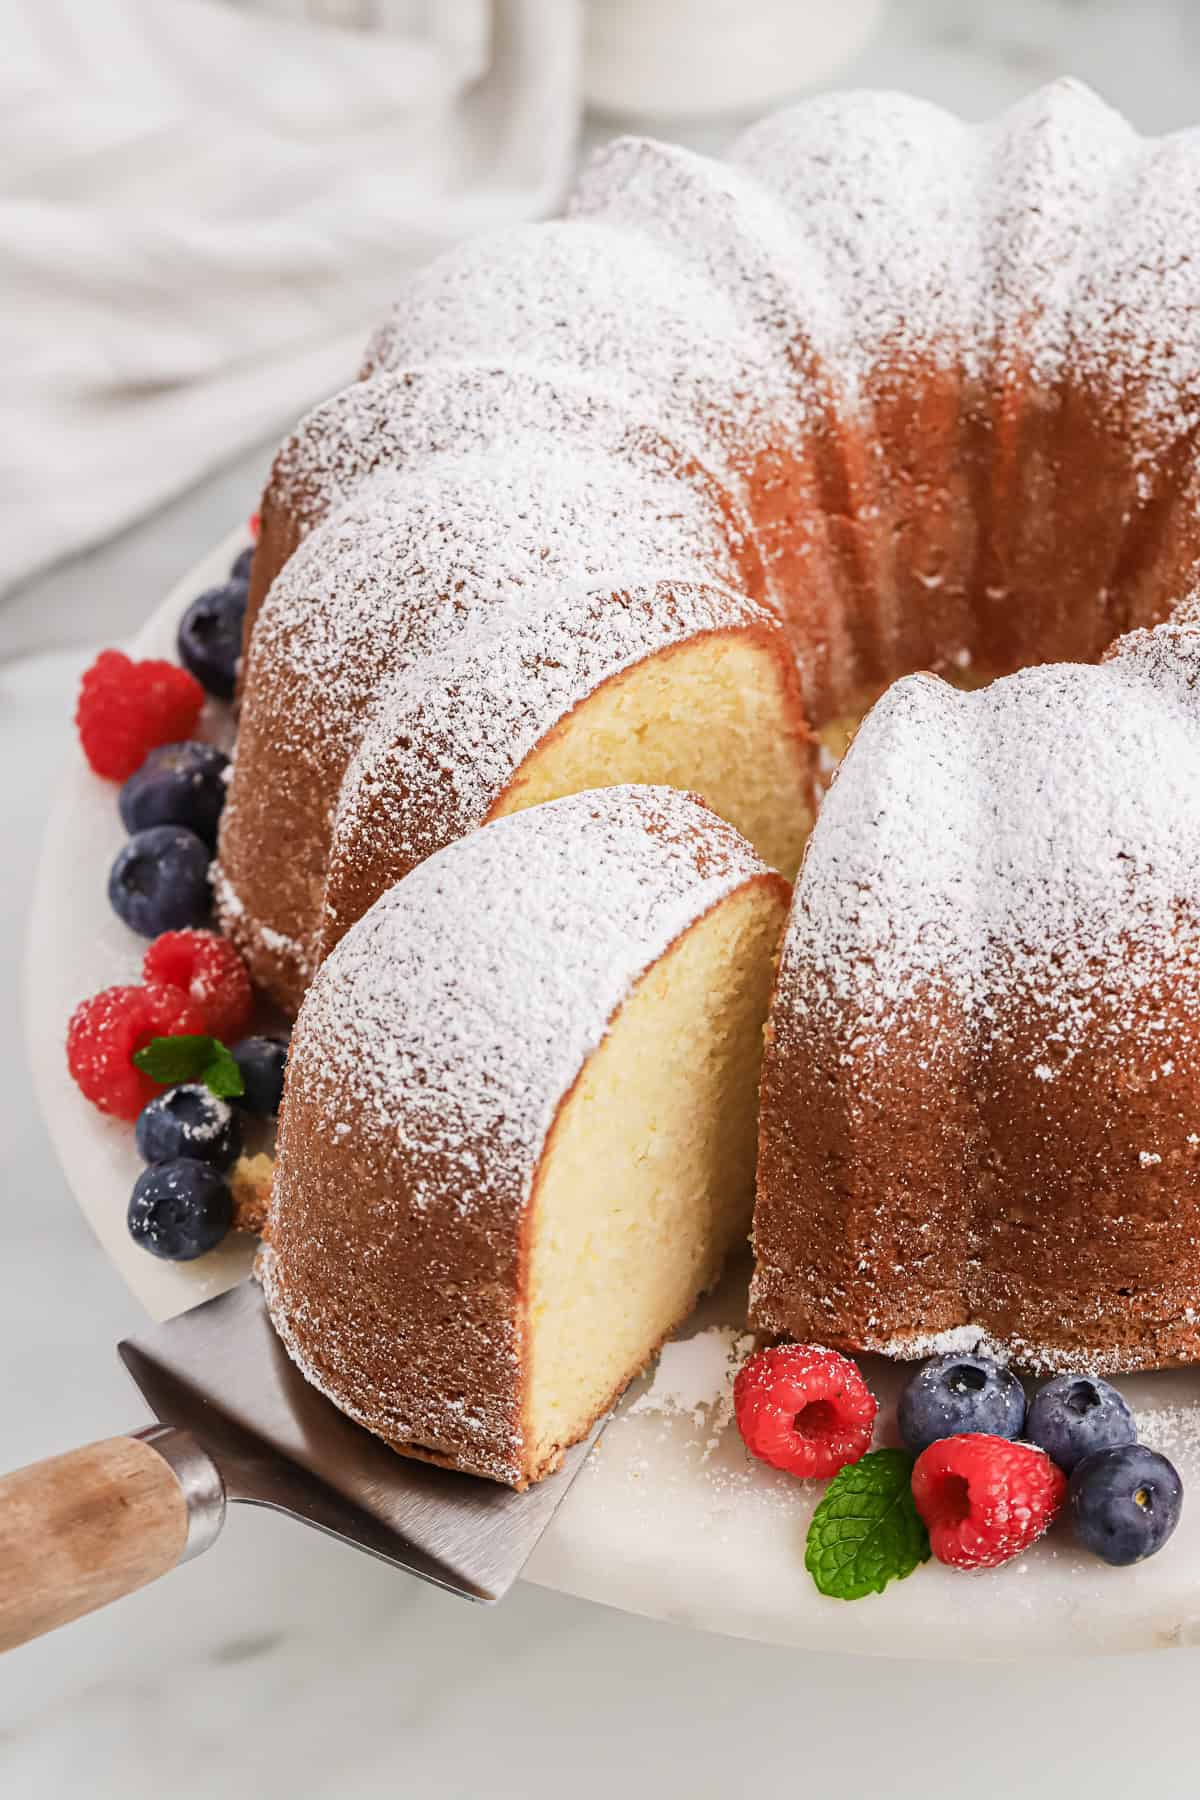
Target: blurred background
[(204, 206)]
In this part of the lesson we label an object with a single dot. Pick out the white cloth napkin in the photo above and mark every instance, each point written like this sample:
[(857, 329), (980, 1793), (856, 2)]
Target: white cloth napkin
[(204, 209)]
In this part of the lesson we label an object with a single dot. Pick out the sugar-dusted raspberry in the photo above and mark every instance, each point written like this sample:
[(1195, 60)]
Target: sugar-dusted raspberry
[(106, 1030), (126, 709), (210, 971), (803, 1408), (984, 1499)]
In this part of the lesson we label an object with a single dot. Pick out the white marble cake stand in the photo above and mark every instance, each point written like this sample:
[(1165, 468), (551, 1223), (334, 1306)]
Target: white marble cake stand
[(669, 1518)]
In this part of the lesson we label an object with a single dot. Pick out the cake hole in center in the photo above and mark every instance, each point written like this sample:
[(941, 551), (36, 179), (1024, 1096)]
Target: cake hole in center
[(816, 1420)]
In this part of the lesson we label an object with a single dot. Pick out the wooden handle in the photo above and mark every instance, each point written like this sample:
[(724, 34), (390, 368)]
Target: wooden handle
[(82, 1529)]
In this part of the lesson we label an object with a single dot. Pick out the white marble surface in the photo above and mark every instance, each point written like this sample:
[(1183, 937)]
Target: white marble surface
[(284, 1666)]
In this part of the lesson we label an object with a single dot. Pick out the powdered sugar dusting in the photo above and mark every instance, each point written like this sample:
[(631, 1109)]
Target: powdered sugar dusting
[(875, 225), (460, 725), (878, 194), (413, 559), (1174, 1431), (405, 417), (694, 1378), (1084, 893), (444, 1017), (974, 1340), (599, 302)]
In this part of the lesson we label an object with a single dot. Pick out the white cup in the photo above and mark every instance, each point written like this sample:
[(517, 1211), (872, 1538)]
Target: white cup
[(696, 58)]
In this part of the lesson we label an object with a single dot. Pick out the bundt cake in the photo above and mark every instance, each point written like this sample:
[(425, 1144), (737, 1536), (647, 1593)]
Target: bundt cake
[(981, 1091), (923, 392), (671, 490), (518, 1136)]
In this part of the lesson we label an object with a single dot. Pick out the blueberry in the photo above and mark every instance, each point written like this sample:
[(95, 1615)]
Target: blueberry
[(189, 1121), (1125, 1502), (180, 1209), (210, 637), (262, 1061), (1075, 1414), (159, 882), (178, 784), (240, 570), (952, 1394)]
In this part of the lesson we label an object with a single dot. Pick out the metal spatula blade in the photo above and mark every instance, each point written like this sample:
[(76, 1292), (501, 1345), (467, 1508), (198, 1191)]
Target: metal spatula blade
[(220, 1372), (238, 1422)]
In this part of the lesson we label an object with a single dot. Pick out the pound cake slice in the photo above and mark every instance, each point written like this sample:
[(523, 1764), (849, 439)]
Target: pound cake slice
[(518, 1136)]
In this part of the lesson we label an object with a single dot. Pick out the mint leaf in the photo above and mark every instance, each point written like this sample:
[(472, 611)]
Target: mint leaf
[(221, 1076), (867, 1530), (174, 1059), (191, 1057)]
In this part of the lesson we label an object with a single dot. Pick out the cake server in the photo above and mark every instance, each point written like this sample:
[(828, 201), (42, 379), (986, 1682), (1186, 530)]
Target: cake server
[(238, 1422)]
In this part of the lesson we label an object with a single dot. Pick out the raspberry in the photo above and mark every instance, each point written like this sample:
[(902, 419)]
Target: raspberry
[(211, 972), (254, 522), (106, 1030), (127, 709), (805, 1409), (985, 1498)]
